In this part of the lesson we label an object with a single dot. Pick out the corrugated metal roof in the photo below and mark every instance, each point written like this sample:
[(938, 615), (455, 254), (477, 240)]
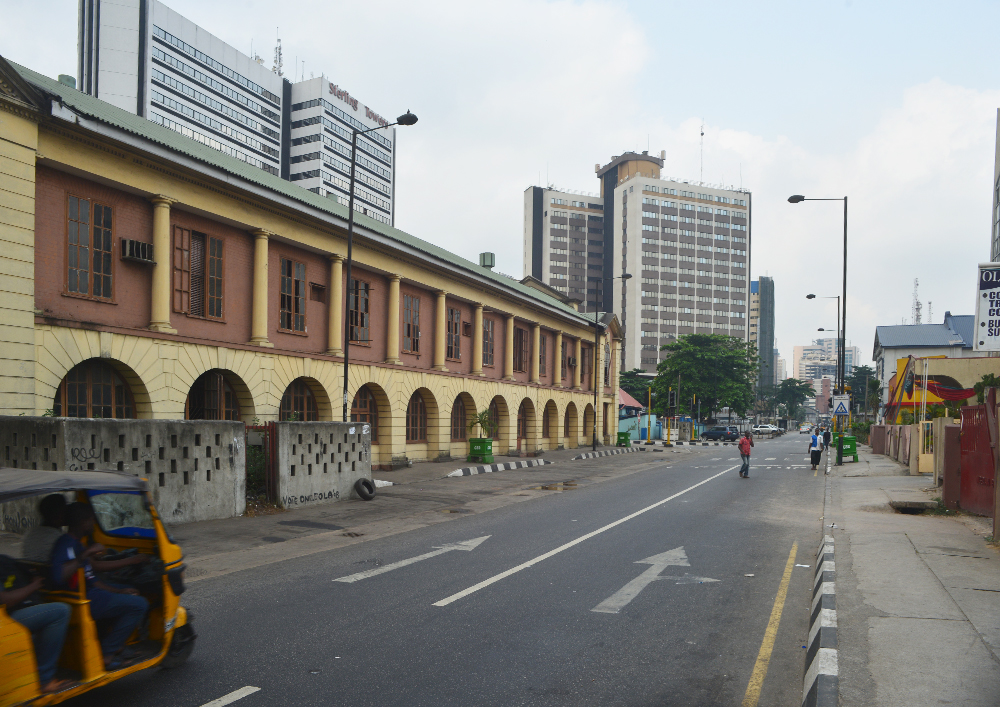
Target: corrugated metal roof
[(112, 115), (964, 325), (627, 400), (918, 335)]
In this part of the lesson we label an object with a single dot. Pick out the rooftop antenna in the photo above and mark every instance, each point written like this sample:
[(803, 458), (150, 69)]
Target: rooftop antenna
[(930, 312), (278, 63), (701, 174), (917, 304)]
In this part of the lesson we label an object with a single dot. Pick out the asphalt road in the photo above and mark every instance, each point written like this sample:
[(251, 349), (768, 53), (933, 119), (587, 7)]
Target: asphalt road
[(512, 621)]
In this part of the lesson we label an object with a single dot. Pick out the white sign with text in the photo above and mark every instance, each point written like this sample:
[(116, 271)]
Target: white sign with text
[(987, 334)]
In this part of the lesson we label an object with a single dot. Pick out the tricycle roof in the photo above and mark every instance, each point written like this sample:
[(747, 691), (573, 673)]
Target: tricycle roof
[(24, 483)]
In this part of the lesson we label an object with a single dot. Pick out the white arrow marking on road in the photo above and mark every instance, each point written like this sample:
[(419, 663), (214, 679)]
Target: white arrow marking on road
[(618, 601), (467, 545), (689, 579)]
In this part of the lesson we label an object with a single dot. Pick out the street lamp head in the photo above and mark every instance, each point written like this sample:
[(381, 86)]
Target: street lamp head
[(407, 118), (821, 329), (810, 296), (796, 198), (627, 276)]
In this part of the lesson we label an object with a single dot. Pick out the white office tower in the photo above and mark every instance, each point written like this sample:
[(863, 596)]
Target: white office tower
[(686, 247), (322, 115)]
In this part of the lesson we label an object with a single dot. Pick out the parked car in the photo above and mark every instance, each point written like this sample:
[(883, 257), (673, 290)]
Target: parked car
[(764, 429), (721, 434), (805, 429)]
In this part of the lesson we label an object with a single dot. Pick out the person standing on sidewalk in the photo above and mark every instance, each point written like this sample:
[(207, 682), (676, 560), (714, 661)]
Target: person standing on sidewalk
[(815, 448), (826, 439), (745, 444)]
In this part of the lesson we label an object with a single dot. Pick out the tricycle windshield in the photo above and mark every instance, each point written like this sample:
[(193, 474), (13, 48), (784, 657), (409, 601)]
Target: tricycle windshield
[(122, 514)]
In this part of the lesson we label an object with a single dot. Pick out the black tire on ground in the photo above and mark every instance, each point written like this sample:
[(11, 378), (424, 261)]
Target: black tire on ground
[(365, 489), (181, 646)]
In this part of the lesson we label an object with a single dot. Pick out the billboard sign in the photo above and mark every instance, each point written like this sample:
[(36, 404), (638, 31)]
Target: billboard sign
[(987, 334)]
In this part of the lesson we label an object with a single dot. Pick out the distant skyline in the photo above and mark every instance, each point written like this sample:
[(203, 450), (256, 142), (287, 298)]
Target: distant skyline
[(891, 103)]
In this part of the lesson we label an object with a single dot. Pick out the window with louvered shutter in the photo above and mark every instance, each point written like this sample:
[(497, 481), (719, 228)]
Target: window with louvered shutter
[(197, 275), (182, 270)]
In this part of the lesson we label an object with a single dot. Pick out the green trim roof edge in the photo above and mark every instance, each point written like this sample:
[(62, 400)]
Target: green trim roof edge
[(112, 115)]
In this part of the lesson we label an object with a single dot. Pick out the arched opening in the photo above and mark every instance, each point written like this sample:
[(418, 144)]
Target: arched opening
[(588, 423), (416, 419), (571, 434), (526, 432), (425, 430), (463, 411), (94, 388), (551, 438), (213, 396), (298, 403), (500, 415), (364, 409), (495, 418), (458, 421)]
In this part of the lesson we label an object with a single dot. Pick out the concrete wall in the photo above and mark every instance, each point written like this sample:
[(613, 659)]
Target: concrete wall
[(319, 462), (196, 468)]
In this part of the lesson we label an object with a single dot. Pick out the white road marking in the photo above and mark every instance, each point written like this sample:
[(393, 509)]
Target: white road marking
[(689, 579), (232, 697), (467, 545), (572, 543), (620, 599), (770, 459)]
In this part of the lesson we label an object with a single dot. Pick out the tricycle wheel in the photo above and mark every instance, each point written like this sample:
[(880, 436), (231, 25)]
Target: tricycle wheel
[(181, 646)]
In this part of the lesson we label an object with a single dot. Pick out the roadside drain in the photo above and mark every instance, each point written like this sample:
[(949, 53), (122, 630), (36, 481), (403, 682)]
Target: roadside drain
[(350, 534), (560, 486), (456, 510)]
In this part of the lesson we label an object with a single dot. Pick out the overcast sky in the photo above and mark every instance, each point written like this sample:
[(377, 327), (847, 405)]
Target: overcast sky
[(891, 103)]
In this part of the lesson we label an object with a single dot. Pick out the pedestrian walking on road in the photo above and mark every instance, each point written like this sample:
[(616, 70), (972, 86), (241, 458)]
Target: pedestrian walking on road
[(815, 447), (745, 444), (826, 439)]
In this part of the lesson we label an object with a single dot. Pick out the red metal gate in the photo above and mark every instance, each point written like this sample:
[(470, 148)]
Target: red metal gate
[(978, 472), (261, 471)]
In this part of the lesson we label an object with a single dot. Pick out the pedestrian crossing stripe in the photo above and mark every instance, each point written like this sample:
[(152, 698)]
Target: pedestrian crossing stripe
[(841, 409)]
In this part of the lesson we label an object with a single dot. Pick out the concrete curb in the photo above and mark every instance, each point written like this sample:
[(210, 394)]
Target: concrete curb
[(379, 483), (821, 687), (490, 468), (607, 452)]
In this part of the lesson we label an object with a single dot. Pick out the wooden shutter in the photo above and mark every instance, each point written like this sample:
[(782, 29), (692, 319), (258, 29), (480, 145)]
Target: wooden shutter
[(196, 301), (182, 270)]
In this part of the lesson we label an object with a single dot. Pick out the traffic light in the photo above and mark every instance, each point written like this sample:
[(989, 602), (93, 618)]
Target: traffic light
[(672, 398)]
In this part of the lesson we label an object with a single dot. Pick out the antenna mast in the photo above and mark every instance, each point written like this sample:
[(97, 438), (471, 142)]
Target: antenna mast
[(917, 305), (701, 173), (278, 63), (930, 312)]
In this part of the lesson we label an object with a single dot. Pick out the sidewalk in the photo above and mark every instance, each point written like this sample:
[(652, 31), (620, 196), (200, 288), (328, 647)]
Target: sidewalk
[(918, 595)]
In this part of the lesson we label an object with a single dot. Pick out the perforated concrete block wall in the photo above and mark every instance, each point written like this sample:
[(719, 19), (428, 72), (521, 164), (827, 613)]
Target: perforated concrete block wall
[(196, 469), (319, 462)]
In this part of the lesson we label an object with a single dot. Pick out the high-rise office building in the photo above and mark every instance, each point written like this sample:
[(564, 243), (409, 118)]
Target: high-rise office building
[(753, 316), (819, 359), (765, 331), (143, 57), (564, 242), (686, 247)]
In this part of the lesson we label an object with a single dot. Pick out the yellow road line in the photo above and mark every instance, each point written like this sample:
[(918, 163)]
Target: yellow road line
[(764, 656), (816, 472)]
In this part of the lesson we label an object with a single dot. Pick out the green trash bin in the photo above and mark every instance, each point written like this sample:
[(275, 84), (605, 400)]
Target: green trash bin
[(624, 439), (850, 447)]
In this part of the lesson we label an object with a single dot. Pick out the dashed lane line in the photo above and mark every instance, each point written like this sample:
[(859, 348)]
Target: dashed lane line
[(530, 563), (232, 697)]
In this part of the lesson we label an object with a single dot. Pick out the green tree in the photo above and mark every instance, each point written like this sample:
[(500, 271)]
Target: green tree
[(791, 393), (719, 370), (635, 384), (988, 381)]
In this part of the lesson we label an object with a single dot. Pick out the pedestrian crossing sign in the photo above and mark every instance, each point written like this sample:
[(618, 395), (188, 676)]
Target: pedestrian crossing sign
[(841, 404)]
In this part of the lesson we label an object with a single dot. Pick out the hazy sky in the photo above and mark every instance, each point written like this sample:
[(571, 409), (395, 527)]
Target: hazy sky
[(893, 104)]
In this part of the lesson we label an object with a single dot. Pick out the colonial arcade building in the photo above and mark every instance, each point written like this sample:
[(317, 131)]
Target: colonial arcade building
[(146, 275)]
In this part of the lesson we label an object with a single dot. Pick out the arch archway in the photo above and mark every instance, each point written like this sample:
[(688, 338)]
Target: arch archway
[(571, 427), (98, 387), (551, 434), (423, 426), (463, 410), (527, 434), (500, 415), (305, 399), (218, 394), (371, 405), (588, 424)]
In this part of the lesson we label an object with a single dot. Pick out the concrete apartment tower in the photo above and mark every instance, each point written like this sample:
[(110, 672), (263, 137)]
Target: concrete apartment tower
[(765, 331), (143, 57)]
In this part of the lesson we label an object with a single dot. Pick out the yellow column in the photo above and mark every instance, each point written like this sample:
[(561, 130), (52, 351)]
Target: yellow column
[(578, 350), (536, 343), (258, 326), (477, 341), (392, 322), (440, 330), (159, 315), (508, 353), (557, 377), (613, 370), (335, 308)]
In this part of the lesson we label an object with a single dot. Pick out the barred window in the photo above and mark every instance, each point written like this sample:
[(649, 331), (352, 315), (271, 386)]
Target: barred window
[(542, 339), (520, 349), (494, 411), (357, 304), (298, 403), (411, 323), (93, 389), (293, 296), (89, 248), (416, 419), (458, 420), (364, 409)]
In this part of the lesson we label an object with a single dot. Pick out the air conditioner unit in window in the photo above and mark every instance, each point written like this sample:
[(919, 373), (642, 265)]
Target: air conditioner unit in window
[(571, 361), (138, 251)]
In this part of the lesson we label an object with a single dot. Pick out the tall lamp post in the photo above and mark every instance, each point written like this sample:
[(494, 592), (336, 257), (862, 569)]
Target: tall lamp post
[(406, 119), (794, 199), (597, 343)]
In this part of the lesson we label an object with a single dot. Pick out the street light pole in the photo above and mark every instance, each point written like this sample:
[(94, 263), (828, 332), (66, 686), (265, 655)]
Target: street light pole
[(597, 344), (406, 119)]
